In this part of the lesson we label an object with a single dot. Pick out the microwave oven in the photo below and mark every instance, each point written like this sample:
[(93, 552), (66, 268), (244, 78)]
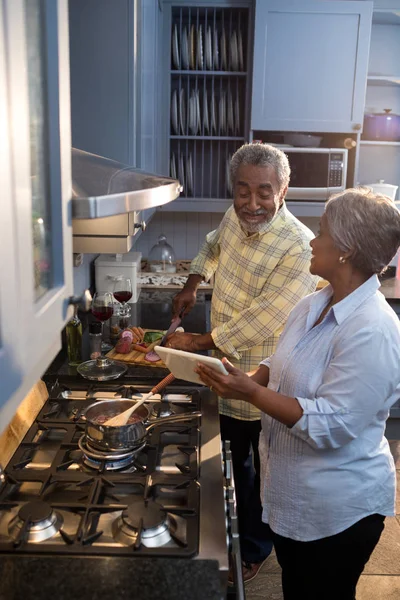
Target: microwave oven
[(316, 173)]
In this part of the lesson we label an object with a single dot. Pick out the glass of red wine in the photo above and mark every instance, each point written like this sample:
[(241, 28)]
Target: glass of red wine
[(123, 292), (102, 309)]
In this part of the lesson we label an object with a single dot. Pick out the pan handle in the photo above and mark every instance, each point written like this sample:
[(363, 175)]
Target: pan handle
[(173, 419)]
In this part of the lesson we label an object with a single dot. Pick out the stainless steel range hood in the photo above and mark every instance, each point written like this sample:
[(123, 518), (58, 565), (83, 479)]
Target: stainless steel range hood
[(103, 188)]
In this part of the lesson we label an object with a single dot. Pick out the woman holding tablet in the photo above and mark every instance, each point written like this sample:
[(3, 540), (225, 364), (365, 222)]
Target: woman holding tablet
[(328, 477)]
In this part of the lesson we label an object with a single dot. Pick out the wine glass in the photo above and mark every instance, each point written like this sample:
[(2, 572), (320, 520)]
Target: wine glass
[(102, 309), (123, 292)]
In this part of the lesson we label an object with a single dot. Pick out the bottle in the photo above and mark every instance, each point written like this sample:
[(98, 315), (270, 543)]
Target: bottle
[(74, 339), (95, 335)]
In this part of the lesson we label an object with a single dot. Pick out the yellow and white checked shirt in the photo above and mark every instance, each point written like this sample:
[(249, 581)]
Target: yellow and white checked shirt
[(259, 278)]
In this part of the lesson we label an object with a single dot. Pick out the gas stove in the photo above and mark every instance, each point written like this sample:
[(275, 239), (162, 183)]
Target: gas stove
[(164, 498)]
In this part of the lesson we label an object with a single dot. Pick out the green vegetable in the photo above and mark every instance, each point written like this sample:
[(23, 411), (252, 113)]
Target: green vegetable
[(152, 336)]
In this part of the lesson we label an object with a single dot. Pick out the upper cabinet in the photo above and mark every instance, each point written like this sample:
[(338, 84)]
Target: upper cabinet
[(310, 65), (35, 176)]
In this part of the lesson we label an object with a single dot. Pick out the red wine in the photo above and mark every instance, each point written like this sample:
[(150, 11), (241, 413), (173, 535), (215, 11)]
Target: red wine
[(123, 296), (102, 313)]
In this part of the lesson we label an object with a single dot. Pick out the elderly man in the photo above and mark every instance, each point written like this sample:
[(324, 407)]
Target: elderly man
[(260, 255)]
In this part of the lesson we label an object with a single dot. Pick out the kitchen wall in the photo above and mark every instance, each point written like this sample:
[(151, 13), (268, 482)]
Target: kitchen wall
[(186, 231)]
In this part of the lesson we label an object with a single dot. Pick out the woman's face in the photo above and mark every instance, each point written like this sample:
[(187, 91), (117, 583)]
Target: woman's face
[(325, 255)]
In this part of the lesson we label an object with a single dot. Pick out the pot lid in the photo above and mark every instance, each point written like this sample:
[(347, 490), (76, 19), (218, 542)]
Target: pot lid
[(102, 187), (101, 369)]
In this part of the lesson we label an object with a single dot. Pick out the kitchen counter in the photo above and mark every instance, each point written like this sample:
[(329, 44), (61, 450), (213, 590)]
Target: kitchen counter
[(152, 311), (95, 578), (390, 288)]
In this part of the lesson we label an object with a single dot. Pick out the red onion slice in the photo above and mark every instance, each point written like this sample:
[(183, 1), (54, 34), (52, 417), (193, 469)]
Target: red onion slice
[(152, 357)]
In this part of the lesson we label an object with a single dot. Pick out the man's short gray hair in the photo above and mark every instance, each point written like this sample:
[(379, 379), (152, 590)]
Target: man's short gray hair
[(262, 155), (366, 224)]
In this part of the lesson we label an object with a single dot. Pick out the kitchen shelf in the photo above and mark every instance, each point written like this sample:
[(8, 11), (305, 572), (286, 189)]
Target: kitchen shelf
[(386, 17), (378, 143), (214, 73), (383, 80), (218, 138)]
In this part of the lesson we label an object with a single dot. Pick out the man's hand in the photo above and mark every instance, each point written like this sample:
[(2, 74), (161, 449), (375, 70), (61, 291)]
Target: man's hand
[(186, 299), (191, 342)]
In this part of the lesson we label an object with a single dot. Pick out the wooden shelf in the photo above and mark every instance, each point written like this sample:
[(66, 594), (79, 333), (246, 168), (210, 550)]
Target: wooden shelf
[(383, 80), (218, 138), (215, 73), (378, 143)]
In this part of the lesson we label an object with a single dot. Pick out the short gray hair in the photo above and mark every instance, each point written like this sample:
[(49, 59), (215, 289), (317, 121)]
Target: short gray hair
[(366, 224), (262, 155)]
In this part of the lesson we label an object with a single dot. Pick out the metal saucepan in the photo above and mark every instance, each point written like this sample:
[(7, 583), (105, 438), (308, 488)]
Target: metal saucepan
[(125, 436)]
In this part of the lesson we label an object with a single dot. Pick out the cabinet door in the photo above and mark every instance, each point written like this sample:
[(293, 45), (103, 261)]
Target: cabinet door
[(39, 151), (310, 65)]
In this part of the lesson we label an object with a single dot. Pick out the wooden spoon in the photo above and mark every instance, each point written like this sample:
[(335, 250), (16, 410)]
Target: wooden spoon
[(123, 417)]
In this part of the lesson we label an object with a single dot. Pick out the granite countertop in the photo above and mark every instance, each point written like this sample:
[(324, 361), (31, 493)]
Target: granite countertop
[(107, 578)]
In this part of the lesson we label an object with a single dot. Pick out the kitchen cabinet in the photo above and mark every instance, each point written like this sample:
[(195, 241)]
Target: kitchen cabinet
[(35, 175), (115, 82), (206, 80), (380, 159), (310, 65)]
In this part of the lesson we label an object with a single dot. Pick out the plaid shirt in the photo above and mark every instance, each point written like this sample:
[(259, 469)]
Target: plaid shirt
[(259, 278)]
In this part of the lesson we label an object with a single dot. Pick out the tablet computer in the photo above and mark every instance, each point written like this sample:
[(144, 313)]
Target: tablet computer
[(182, 364)]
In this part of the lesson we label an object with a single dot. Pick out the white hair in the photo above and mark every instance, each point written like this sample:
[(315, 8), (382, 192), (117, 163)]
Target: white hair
[(365, 224), (262, 155)]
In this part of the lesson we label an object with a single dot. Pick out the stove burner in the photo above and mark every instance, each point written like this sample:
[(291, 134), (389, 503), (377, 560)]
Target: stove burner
[(144, 522), (163, 409), (36, 521), (110, 460)]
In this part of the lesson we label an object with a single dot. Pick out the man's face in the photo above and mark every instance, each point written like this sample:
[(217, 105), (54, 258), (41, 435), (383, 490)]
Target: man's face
[(256, 196)]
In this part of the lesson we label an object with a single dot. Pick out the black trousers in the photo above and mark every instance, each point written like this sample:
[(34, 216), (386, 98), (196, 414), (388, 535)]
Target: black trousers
[(329, 568), (255, 536)]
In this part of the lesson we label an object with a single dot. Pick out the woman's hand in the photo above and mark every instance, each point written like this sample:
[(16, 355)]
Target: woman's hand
[(236, 385)]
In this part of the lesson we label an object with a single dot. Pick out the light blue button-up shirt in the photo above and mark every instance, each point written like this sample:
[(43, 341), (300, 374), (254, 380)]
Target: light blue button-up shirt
[(334, 466)]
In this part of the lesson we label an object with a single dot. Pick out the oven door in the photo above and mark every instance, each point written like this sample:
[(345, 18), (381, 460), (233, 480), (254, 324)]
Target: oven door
[(235, 591)]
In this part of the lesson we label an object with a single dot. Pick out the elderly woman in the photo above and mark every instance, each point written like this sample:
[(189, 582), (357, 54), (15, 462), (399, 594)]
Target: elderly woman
[(328, 477)]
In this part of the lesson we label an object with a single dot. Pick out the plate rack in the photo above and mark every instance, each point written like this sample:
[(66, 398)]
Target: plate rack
[(208, 78)]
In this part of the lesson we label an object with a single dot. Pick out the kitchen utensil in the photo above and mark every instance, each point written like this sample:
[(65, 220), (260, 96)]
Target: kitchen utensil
[(185, 49), (215, 50), (382, 126), (182, 112), (302, 140), (240, 51), (126, 436), (175, 49), (380, 187), (123, 417), (192, 44), (224, 60), (200, 48), (174, 112), (208, 49), (174, 325), (162, 256), (101, 369)]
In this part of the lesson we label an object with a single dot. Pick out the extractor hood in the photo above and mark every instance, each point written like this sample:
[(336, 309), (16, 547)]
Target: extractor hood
[(103, 188)]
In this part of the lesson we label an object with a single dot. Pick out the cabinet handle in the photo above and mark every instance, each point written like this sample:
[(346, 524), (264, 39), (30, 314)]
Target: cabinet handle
[(142, 225), (357, 126)]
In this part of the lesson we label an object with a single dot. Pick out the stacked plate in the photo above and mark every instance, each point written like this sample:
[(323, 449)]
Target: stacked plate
[(197, 48), (228, 175), (210, 116)]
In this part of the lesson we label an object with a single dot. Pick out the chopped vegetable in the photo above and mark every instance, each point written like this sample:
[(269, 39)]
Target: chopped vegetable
[(152, 336), (152, 357)]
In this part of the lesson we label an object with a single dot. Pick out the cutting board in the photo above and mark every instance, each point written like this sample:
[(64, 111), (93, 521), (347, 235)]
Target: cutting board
[(137, 358)]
